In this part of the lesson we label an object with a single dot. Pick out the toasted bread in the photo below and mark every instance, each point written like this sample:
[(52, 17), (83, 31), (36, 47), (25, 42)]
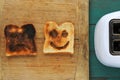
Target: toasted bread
[(59, 38), (20, 41)]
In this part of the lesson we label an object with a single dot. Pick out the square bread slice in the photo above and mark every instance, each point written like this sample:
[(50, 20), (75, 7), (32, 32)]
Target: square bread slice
[(59, 38), (20, 40)]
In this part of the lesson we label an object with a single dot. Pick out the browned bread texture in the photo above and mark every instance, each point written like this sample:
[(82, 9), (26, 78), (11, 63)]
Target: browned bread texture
[(20, 40), (59, 38)]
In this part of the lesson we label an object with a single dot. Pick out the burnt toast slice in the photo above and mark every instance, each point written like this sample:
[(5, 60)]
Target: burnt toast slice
[(20, 40)]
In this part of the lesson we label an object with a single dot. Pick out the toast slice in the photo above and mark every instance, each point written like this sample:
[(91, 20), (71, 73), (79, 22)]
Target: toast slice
[(20, 40), (59, 38)]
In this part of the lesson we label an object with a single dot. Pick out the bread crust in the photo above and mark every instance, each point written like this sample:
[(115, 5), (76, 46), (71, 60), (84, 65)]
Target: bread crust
[(20, 40), (59, 38)]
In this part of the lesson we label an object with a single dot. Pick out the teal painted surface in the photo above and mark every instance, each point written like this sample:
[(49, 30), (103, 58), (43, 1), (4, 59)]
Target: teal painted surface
[(99, 70), (102, 78), (91, 37), (98, 8)]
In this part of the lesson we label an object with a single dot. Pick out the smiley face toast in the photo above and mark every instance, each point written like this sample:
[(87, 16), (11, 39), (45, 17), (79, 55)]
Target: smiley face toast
[(58, 38)]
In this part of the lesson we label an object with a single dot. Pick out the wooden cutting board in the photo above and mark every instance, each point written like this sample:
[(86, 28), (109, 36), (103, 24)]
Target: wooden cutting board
[(41, 66)]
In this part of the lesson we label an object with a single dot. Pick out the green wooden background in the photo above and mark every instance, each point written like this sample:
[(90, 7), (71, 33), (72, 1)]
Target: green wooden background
[(98, 8)]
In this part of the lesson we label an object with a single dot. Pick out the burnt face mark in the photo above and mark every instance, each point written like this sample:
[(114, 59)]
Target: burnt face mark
[(20, 39), (64, 33), (18, 47), (59, 48), (10, 29), (53, 33), (29, 30), (13, 35), (12, 48)]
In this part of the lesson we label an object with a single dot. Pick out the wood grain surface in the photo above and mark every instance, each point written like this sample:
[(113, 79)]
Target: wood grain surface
[(41, 66)]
